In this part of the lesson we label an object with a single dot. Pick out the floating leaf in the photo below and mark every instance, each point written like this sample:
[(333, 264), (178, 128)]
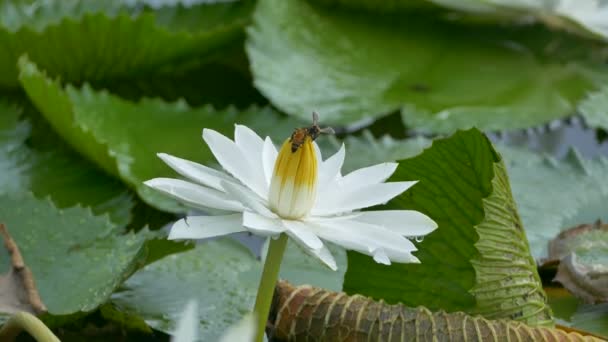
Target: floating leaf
[(478, 259), (569, 311), (222, 275), (445, 75), (595, 108), (366, 150), (555, 194), (124, 137), (585, 280), (308, 313), (32, 158), (89, 41), (77, 259), (587, 17), (211, 273), (592, 318), (582, 252), (381, 6)]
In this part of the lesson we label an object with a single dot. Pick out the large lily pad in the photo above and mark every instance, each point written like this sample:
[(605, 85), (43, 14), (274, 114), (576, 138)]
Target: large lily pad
[(587, 18), (553, 195), (571, 312), (478, 259), (98, 40), (33, 158), (124, 137), (582, 252), (366, 150), (353, 67), (595, 108), (212, 274), (222, 276), (77, 259)]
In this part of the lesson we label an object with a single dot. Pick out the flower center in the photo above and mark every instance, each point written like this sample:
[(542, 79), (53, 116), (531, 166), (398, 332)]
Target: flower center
[(293, 187)]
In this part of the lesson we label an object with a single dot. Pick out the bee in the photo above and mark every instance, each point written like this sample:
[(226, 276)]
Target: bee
[(299, 134)]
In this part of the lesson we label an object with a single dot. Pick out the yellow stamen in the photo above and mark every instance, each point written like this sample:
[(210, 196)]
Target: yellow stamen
[(293, 187)]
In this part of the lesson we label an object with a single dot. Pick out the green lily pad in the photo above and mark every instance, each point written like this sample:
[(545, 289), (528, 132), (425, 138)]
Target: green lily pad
[(593, 318), (124, 137), (33, 158), (582, 252), (77, 259), (366, 150), (381, 6), (595, 108), (89, 41), (353, 67), (553, 195), (478, 260), (571, 312), (211, 273), (587, 19), (221, 275)]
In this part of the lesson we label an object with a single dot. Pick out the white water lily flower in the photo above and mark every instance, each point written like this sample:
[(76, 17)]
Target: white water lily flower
[(293, 191)]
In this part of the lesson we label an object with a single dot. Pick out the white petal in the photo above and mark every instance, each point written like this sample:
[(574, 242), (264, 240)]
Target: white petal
[(330, 168), (381, 257), (364, 238), (302, 235), (262, 225), (241, 331), (233, 160), (322, 254), (368, 175), (348, 200), (194, 195), (187, 326), (252, 147), (248, 140), (403, 222), (269, 157), (318, 153), (247, 198), (325, 256), (202, 227), (196, 172)]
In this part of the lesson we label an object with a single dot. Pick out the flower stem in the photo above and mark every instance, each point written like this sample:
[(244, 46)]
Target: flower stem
[(28, 322), (268, 283)]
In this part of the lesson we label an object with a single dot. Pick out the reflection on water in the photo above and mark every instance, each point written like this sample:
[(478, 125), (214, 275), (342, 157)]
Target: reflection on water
[(556, 139)]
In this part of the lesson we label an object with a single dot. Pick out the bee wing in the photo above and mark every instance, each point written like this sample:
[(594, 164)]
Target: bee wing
[(315, 118), (327, 130)]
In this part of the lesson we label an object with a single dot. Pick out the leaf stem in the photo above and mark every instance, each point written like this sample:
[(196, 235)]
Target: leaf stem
[(30, 323), (272, 265)]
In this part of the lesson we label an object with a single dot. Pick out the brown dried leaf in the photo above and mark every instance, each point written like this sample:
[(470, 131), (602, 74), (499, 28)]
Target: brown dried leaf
[(17, 288), (307, 313)]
